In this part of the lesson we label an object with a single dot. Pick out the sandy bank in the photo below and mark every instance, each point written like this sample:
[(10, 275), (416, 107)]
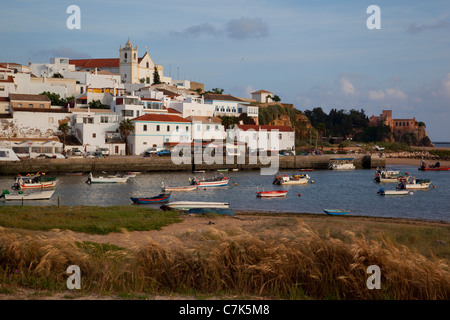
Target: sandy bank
[(412, 162)]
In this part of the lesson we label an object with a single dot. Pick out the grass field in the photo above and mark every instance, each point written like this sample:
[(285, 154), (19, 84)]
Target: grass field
[(269, 257)]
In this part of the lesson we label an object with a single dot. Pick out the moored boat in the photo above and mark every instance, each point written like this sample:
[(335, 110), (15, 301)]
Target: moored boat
[(336, 212), (383, 192), (219, 180), (43, 195), (436, 167), (288, 180), (186, 205), (108, 179), (184, 188), (412, 183), (163, 197), (37, 185), (271, 194)]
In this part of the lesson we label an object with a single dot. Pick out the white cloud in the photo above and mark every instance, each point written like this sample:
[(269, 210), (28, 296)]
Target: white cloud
[(387, 95), (347, 87), (446, 85)]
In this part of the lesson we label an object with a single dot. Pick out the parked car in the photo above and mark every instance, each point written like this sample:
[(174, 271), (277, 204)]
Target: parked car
[(150, 151), (103, 151), (163, 153), (76, 152)]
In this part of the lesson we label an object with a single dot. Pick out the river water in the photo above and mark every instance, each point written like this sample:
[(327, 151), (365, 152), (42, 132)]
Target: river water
[(353, 190)]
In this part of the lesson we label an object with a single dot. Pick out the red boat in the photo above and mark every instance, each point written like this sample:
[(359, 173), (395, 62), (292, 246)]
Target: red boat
[(436, 167), (276, 193)]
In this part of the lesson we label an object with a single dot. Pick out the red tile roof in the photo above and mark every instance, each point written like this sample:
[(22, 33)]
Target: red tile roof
[(96, 63), (9, 79), (161, 118), (245, 127), (223, 97), (261, 91), (172, 110)]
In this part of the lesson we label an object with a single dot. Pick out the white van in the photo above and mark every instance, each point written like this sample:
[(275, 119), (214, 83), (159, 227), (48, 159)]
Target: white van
[(103, 151)]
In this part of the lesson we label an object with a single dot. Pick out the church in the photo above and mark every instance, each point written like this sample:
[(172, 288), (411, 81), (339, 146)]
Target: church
[(129, 66)]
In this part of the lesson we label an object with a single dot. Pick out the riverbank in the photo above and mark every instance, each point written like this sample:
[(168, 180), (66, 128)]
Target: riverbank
[(157, 264), (412, 162)]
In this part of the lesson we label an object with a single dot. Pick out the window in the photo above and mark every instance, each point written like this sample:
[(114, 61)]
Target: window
[(41, 106), (168, 128), (2, 88), (19, 105), (104, 119), (94, 135), (177, 128), (145, 127), (88, 120), (127, 113), (30, 105), (187, 128), (199, 127), (280, 136), (148, 65), (207, 127), (217, 127), (157, 127)]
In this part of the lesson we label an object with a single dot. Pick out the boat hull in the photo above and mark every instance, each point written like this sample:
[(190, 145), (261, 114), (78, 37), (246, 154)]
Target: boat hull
[(190, 188), (435, 169), (39, 185), (271, 194), (186, 205), (205, 184), (44, 195), (157, 199), (336, 212), (393, 192)]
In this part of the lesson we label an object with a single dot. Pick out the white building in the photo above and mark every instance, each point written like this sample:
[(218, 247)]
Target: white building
[(56, 65), (265, 137), (227, 105), (97, 128), (207, 128), (158, 130), (262, 96), (192, 106)]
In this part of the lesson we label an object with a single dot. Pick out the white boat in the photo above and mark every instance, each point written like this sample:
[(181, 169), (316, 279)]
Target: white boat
[(186, 205), (43, 195), (217, 181), (342, 164), (108, 179), (289, 180), (186, 188), (7, 154), (412, 183), (383, 192)]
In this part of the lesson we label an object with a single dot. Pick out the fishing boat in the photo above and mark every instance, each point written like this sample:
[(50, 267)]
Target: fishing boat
[(37, 185), (385, 176), (33, 181), (43, 195), (163, 197), (108, 179), (219, 180), (436, 167), (341, 164), (184, 188), (221, 211), (293, 179), (271, 194), (336, 212), (383, 192), (412, 183), (186, 205)]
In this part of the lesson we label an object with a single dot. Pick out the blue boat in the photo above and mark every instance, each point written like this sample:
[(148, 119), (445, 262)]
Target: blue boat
[(163, 197), (221, 211), (336, 212)]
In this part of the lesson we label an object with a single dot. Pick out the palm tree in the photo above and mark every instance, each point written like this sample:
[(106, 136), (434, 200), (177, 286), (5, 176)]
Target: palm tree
[(125, 128), (64, 128), (321, 128)]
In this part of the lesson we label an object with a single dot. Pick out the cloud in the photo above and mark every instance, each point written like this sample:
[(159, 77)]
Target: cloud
[(200, 29), (387, 95), (347, 87), (60, 52), (417, 28), (245, 28)]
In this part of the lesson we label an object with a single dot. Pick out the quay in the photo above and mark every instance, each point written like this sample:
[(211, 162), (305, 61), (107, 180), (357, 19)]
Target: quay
[(152, 164)]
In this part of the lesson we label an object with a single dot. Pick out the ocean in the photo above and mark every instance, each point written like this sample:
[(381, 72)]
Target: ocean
[(354, 190)]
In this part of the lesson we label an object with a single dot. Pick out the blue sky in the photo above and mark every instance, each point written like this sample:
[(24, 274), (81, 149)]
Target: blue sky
[(310, 53)]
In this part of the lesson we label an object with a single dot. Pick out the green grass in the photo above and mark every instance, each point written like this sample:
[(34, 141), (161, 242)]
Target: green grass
[(93, 220)]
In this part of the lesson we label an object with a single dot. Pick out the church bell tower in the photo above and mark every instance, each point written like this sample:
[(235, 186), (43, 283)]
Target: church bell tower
[(129, 63)]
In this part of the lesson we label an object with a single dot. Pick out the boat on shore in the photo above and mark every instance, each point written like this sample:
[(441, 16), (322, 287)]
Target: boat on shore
[(271, 194), (289, 180), (186, 205), (341, 164), (108, 179), (403, 192), (336, 212), (42, 195), (219, 180), (163, 197)]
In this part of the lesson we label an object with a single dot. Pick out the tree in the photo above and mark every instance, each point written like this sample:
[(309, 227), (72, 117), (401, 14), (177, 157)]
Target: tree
[(64, 128), (58, 75), (276, 98), (321, 128), (125, 128), (95, 104), (156, 78)]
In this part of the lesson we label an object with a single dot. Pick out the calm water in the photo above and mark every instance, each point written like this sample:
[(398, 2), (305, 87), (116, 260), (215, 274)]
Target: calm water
[(352, 190), (442, 144)]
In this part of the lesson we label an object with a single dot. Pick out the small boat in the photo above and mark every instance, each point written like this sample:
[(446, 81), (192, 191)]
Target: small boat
[(336, 212), (383, 192), (383, 175), (271, 194), (436, 167), (163, 197), (221, 211), (43, 195), (412, 183), (108, 179), (288, 180), (218, 180), (186, 188), (74, 173), (186, 205), (301, 170), (222, 170), (341, 164), (37, 185)]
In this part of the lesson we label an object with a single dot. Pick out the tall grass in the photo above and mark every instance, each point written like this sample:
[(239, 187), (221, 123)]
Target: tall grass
[(298, 264)]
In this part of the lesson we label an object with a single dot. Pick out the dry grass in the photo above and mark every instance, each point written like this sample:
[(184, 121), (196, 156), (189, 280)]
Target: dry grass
[(296, 262)]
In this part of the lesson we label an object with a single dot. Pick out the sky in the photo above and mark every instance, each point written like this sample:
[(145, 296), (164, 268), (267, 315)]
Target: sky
[(310, 53)]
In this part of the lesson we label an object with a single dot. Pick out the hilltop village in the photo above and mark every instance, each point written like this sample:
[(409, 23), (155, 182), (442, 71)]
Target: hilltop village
[(128, 105)]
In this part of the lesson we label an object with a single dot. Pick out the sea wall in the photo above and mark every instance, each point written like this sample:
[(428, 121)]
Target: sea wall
[(149, 164)]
